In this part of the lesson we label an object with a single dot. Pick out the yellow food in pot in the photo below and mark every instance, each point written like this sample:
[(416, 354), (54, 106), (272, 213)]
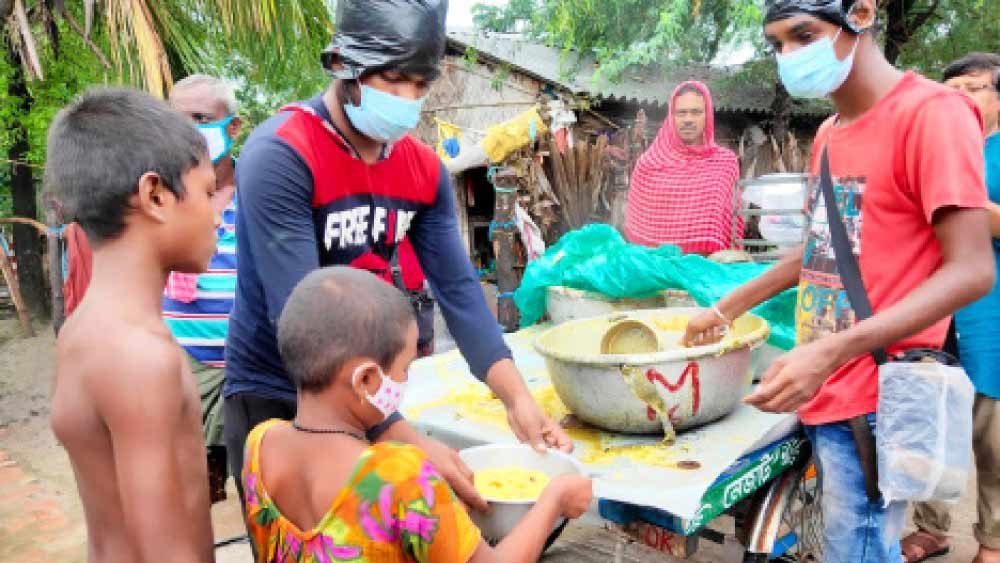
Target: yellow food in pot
[(510, 483)]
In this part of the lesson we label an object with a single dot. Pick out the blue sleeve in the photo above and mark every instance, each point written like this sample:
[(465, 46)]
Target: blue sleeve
[(445, 261), (275, 201)]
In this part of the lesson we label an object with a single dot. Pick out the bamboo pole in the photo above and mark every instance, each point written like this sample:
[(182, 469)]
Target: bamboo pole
[(504, 230), (561, 184), (15, 290), (569, 164)]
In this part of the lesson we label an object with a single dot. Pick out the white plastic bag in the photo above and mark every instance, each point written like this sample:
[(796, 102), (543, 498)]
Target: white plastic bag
[(923, 433), (531, 235)]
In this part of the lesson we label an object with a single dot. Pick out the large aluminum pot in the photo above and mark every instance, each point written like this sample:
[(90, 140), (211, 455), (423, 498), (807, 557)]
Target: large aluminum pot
[(690, 386), (567, 304)]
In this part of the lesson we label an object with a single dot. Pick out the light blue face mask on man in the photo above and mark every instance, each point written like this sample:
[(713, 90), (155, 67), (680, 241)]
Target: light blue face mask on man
[(383, 116), (219, 142), (814, 71)]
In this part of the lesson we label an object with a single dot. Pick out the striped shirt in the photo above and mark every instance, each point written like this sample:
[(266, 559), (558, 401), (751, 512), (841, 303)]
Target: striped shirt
[(201, 325)]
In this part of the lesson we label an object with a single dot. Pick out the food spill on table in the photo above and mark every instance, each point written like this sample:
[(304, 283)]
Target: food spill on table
[(475, 402)]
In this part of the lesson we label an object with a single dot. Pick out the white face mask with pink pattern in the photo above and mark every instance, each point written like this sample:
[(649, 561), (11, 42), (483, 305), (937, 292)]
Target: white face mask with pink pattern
[(390, 392)]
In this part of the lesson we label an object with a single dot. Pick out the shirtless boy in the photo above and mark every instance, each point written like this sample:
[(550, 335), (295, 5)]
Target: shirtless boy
[(137, 177)]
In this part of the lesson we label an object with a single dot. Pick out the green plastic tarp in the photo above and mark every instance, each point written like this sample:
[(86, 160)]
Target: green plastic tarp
[(597, 258)]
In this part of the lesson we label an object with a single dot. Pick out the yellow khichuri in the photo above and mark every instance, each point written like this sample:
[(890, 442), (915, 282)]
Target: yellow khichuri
[(510, 483)]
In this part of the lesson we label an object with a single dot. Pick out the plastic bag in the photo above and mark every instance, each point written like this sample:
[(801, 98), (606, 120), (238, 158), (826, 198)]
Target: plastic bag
[(531, 235), (573, 248), (923, 433), (405, 35), (503, 139)]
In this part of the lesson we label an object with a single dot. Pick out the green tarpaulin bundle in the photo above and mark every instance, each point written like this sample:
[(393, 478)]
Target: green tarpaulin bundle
[(597, 258)]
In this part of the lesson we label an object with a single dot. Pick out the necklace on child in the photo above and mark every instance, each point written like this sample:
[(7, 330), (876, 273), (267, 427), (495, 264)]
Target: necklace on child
[(308, 430)]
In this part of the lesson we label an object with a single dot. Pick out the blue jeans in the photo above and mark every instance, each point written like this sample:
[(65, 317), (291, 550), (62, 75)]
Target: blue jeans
[(856, 530)]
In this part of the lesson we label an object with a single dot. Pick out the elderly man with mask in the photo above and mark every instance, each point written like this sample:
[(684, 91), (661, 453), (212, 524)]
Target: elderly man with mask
[(905, 155), (196, 307), (336, 180), (683, 187)]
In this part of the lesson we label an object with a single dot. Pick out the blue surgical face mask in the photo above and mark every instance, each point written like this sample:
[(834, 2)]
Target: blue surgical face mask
[(383, 116), (218, 141), (814, 71)]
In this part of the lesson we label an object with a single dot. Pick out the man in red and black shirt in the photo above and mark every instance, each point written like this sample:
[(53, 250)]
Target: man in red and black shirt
[(335, 180)]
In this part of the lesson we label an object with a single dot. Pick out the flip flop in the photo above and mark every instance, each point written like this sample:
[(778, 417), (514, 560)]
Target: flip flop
[(991, 559), (921, 546)]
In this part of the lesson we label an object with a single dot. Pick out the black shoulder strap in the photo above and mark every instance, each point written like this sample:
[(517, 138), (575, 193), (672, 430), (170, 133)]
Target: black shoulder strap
[(847, 263), (850, 275), (397, 272)]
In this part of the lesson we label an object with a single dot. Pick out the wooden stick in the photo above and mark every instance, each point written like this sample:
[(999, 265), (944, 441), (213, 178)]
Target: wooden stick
[(561, 183), (505, 182), (582, 181), (55, 250), (38, 225), (15, 292), (597, 171), (75, 26), (569, 162)]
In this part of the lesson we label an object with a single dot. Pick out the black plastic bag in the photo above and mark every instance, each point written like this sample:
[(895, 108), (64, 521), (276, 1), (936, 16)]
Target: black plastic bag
[(404, 35)]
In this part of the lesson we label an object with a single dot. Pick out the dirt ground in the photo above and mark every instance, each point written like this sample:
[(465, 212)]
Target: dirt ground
[(41, 519)]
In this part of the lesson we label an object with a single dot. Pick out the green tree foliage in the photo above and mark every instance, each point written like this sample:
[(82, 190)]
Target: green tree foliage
[(268, 48), (66, 76), (509, 18), (630, 32), (925, 33), (954, 28)]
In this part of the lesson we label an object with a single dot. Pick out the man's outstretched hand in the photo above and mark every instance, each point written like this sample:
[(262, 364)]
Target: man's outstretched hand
[(795, 377), (705, 328), (533, 427)]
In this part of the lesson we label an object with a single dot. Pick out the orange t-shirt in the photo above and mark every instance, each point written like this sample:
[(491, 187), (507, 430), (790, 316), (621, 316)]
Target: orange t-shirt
[(918, 150)]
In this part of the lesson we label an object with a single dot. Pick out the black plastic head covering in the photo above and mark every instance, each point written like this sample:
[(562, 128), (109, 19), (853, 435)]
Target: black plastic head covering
[(404, 35), (833, 11)]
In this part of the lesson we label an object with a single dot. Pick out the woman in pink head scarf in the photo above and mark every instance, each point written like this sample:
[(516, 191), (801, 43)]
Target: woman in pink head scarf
[(683, 187)]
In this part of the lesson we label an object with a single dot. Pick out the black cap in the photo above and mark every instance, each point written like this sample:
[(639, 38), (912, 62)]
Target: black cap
[(833, 11), (404, 35)]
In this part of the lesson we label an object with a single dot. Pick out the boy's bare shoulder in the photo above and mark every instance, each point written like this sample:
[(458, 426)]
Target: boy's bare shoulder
[(117, 358)]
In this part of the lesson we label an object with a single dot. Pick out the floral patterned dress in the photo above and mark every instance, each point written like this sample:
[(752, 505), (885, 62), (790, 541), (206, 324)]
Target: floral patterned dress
[(395, 508)]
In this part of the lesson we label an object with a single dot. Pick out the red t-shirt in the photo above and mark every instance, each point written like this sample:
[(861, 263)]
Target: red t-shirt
[(920, 149)]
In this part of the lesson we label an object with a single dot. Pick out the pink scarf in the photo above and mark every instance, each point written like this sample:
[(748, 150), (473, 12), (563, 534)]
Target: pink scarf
[(684, 195)]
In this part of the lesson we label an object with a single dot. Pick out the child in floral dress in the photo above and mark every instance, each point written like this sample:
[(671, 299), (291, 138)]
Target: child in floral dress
[(318, 491)]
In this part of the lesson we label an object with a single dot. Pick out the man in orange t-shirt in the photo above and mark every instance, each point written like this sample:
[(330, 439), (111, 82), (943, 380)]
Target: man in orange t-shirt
[(906, 158)]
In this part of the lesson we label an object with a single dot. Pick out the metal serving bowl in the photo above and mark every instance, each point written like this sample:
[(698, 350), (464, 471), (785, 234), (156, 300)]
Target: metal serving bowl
[(690, 386)]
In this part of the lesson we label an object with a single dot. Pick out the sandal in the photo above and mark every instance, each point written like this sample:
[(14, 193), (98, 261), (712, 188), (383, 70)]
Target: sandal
[(992, 557), (921, 546)]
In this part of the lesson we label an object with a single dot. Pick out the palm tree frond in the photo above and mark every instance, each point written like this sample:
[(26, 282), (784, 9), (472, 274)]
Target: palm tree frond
[(88, 16), (26, 42)]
